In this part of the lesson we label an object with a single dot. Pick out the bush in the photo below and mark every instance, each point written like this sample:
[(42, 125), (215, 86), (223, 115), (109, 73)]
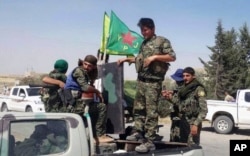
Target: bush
[(129, 92)]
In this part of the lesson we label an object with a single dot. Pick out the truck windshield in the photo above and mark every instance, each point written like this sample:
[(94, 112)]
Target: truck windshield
[(33, 91)]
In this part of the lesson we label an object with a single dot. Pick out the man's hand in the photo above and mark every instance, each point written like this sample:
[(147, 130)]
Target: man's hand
[(147, 61), (167, 94), (120, 61), (194, 129), (61, 84)]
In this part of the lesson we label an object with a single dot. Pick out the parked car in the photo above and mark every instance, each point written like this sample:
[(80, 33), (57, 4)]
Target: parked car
[(22, 99), (226, 116)]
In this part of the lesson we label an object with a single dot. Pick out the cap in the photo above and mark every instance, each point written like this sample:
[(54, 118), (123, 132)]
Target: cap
[(61, 65), (91, 59), (177, 76)]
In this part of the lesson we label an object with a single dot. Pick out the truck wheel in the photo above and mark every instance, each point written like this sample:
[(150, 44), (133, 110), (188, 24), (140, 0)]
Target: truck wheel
[(223, 125), (4, 108), (28, 109)]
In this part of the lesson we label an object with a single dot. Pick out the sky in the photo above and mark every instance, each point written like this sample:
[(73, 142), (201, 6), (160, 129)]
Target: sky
[(35, 33)]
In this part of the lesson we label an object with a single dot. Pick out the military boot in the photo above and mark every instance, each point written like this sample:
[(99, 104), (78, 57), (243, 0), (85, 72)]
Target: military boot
[(145, 147), (104, 138), (135, 137)]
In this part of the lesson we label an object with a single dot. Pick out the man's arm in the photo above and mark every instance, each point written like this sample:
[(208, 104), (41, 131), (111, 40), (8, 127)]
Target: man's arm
[(202, 105), (128, 59), (49, 80), (162, 58)]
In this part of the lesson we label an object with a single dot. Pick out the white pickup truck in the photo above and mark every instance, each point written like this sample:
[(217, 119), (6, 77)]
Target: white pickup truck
[(22, 99), (226, 116), (65, 134)]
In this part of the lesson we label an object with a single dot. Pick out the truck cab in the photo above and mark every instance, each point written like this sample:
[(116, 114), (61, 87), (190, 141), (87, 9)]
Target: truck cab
[(65, 134), (225, 116), (22, 99)]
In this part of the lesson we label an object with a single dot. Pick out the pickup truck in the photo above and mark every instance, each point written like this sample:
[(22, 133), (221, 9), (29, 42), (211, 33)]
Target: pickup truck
[(65, 134), (22, 99), (227, 116)]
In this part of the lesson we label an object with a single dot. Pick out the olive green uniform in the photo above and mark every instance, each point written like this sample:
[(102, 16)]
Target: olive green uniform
[(149, 84), (192, 110), (97, 110), (50, 96)]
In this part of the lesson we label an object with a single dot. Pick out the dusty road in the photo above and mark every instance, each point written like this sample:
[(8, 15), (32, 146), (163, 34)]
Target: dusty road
[(213, 144)]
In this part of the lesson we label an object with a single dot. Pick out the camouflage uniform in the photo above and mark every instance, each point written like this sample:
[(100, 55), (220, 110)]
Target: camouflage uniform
[(51, 97), (175, 119), (192, 110), (97, 110), (149, 84)]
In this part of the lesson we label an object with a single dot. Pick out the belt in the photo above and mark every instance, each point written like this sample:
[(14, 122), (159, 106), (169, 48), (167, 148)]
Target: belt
[(148, 79)]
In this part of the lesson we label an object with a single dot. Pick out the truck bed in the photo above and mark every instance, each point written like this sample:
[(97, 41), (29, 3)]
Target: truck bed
[(125, 147), (221, 103)]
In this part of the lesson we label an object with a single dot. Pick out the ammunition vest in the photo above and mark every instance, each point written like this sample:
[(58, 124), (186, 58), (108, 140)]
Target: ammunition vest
[(190, 106), (157, 69), (71, 82)]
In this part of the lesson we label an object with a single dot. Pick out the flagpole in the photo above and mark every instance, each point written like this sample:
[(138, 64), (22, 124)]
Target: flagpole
[(105, 51)]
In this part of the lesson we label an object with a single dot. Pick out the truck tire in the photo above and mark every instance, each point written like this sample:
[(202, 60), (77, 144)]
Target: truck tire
[(223, 125), (4, 108), (28, 109)]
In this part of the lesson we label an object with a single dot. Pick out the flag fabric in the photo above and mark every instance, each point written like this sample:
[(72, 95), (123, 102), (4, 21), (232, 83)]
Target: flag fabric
[(122, 40), (105, 32)]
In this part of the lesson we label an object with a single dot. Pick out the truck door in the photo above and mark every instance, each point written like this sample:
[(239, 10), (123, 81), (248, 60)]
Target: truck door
[(19, 100), (13, 99), (243, 103)]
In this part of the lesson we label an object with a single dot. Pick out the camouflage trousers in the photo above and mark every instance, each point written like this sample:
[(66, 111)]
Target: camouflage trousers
[(97, 112), (180, 132), (146, 108), (98, 116)]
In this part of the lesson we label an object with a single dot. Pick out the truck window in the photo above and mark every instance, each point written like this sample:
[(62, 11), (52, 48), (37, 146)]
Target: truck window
[(38, 138), (21, 93), (33, 91), (247, 97), (15, 90)]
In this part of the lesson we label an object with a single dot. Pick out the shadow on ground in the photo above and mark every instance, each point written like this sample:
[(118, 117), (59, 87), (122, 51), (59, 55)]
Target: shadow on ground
[(236, 131)]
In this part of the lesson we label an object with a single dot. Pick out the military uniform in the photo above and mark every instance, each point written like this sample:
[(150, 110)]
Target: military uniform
[(78, 82), (50, 96), (176, 120), (192, 110), (149, 84)]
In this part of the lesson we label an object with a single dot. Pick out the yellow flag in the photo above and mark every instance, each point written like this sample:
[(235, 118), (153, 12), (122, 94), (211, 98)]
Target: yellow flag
[(105, 34)]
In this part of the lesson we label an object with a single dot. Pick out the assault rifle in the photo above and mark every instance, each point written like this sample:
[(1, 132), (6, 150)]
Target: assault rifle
[(44, 86)]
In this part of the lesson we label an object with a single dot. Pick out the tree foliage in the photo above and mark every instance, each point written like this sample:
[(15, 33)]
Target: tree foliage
[(228, 68)]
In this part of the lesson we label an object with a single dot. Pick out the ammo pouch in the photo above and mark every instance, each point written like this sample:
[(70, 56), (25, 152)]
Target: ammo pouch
[(158, 68), (138, 63), (191, 107), (69, 96)]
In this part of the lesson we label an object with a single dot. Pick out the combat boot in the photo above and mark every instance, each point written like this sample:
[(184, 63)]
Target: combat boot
[(137, 136), (104, 138), (145, 147)]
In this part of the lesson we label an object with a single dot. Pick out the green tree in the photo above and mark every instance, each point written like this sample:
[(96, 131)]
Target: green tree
[(228, 68), (244, 48), (37, 79), (214, 67)]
